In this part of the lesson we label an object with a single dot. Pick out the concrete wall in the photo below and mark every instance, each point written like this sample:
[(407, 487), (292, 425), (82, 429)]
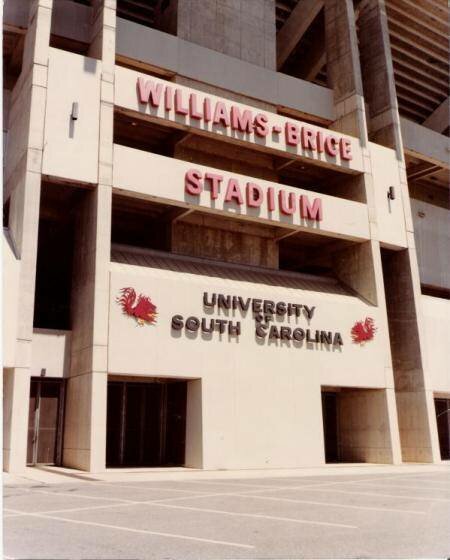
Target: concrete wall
[(71, 146), (432, 236), (363, 427), (72, 20), (11, 272), (243, 29), (436, 324), (16, 13), (427, 144), (171, 55)]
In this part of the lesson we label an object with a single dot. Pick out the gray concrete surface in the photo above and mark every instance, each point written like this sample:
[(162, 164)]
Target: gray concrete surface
[(374, 515)]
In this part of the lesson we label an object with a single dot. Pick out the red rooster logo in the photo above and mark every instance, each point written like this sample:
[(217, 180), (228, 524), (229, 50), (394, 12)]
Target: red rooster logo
[(363, 331), (143, 310)]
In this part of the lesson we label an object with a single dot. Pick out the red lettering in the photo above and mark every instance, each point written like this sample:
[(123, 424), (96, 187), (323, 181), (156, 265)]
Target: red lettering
[(292, 134), (179, 103), (254, 195), (308, 212), (192, 182), (261, 126), (193, 112), (207, 109), (241, 121), (168, 98), (345, 147), (270, 199), (331, 145), (149, 92), (289, 207), (308, 139), (233, 192), (320, 142), (221, 114), (214, 181)]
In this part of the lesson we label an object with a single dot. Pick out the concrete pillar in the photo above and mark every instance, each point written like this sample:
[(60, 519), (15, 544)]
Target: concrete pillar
[(360, 267), (244, 29), (401, 269), (343, 68), (378, 76), (22, 187), (416, 417), (85, 440)]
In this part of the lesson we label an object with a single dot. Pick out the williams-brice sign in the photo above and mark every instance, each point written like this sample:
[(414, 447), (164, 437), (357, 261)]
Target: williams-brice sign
[(222, 115), (264, 312)]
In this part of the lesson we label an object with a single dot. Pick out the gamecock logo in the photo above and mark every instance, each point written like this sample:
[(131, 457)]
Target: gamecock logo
[(363, 331), (142, 309)]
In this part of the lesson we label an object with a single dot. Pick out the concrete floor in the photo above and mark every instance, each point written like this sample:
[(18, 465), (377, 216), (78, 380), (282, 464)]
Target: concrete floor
[(365, 514)]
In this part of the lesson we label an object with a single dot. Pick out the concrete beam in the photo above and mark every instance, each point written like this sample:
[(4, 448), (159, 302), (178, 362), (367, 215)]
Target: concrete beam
[(439, 120), (295, 27), (425, 144)]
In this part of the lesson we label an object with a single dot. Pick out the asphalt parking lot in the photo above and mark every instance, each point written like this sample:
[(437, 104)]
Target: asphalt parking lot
[(355, 516)]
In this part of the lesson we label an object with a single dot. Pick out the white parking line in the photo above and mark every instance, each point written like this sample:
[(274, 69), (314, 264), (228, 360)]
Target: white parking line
[(142, 531), (331, 504), (379, 495), (162, 503), (256, 515), (161, 489), (421, 487)]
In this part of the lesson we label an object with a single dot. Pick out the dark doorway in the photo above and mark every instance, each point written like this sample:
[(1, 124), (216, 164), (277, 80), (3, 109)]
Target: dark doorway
[(45, 421), (443, 426), (146, 423), (330, 428)]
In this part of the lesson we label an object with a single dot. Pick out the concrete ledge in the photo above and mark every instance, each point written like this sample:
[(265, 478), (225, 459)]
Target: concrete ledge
[(176, 56), (424, 143)]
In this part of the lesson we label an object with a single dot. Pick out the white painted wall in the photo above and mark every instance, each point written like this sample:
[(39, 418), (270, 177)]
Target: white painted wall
[(71, 147), (50, 352), (432, 238), (255, 395), (389, 213), (436, 325)]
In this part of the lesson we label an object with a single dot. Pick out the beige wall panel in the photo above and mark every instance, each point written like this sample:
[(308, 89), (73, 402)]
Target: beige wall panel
[(11, 274), (432, 238), (71, 147), (126, 96), (364, 427), (390, 213), (436, 322), (194, 425), (255, 393), (162, 178), (50, 352)]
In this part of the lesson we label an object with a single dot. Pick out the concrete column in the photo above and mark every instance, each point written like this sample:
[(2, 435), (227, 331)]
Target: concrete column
[(416, 417), (243, 29), (85, 427), (378, 76), (359, 267), (23, 187), (343, 68)]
